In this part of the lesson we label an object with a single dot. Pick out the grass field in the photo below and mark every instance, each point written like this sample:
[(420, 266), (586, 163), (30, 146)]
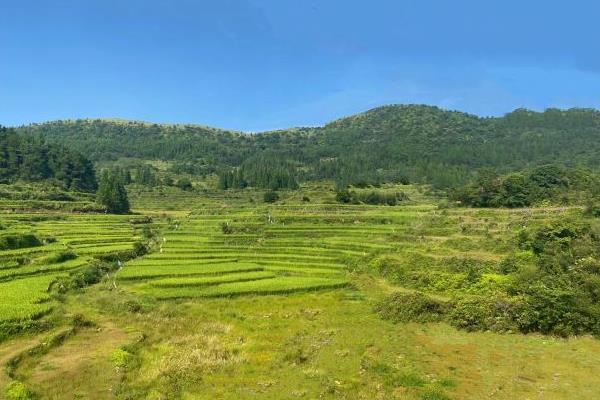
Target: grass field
[(242, 300)]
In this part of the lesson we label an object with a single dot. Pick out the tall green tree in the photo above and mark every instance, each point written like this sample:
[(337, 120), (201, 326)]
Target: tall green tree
[(112, 194)]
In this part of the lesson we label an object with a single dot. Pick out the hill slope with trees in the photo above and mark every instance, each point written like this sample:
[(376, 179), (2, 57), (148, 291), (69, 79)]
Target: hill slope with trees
[(29, 158), (392, 143)]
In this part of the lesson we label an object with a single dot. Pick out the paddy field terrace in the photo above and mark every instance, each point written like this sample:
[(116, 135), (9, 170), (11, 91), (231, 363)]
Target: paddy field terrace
[(234, 298)]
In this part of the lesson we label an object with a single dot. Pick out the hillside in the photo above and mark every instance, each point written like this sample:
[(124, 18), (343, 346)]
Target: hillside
[(391, 143), (31, 159)]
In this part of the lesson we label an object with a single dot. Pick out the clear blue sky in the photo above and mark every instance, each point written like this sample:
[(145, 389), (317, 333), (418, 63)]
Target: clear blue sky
[(262, 64)]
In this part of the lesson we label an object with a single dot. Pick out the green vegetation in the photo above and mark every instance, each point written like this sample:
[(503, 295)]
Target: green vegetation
[(265, 171), (307, 263), (11, 242), (370, 197), (184, 184), (228, 297), (25, 299), (549, 183), (30, 159), (112, 193), (388, 144), (17, 391), (33, 270), (270, 196)]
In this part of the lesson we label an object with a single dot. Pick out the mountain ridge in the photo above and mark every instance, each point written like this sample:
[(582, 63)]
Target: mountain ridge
[(395, 106), (395, 142)]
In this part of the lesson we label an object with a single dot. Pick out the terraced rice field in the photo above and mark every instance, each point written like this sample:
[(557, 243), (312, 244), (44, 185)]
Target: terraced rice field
[(220, 252), (261, 300), (26, 273)]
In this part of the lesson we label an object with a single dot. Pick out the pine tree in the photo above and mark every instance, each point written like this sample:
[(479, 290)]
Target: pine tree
[(112, 194)]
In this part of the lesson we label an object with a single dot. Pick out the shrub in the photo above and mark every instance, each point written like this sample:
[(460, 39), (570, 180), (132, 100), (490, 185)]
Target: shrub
[(271, 196), (88, 276), (18, 391), (592, 209), (372, 197), (496, 313), (139, 249), (121, 358), (226, 228), (12, 242), (556, 236), (343, 196), (433, 394), (146, 219), (148, 233), (560, 310), (61, 257), (414, 306), (184, 184), (389, 268)]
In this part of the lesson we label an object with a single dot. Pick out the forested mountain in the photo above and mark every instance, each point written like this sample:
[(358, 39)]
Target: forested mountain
[(392, 143), (29, 158)]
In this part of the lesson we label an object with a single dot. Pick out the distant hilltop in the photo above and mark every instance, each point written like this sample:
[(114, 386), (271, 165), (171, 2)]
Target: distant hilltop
[(419, 142)]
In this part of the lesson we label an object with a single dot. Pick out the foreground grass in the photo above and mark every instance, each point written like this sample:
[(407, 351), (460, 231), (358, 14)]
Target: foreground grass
[(328, 345)]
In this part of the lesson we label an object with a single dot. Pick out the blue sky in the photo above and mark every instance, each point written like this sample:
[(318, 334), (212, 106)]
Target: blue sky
[(255, 65)]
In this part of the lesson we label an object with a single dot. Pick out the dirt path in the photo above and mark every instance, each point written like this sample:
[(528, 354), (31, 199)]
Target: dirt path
[(79, 368), (13, 348)]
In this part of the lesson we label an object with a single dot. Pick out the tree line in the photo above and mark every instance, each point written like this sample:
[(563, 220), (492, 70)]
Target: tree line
[(30, 158), (552, 183)]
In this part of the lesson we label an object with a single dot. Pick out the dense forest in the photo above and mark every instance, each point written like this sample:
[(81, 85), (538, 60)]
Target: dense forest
[(263, 171), (550, 183), (400, 143), (29, 158)]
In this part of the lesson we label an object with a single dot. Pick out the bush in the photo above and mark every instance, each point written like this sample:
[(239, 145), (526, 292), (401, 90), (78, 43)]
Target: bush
[(271, 196), (343, 196), (497, 313), (226, 228), (12, 242), (414, 306), (61, 257), (557, 310), (184, 184), (18, 391), (139, 249), (146, 219), (121, 358), (592, 209), (88, 276), (148, 233), (544, 184), (372, 197)]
